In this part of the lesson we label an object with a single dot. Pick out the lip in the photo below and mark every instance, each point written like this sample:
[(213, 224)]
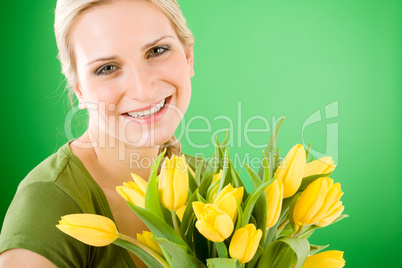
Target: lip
[(152, 119)]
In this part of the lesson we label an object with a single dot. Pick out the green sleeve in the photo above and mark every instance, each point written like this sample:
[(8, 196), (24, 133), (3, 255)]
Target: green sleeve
[(30, 224)]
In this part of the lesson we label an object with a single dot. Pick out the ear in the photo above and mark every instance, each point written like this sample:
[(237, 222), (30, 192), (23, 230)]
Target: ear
[(79, 95), (190, 58)]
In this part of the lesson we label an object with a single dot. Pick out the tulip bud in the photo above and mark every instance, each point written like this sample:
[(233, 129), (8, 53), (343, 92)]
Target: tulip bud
[(91, 229), (147, 239), (212, 192), (226, 200), (217, 176), (274, 193), (134, 191), (327, 259), (213, 223), (173, 183), (319, 204), (244, 243), (290, 171), (323, 165)]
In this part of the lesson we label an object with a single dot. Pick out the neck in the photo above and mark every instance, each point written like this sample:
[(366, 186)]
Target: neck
[(113, 160)]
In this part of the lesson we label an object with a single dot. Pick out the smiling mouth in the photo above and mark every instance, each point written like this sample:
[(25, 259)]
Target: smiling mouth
[(150, 112)]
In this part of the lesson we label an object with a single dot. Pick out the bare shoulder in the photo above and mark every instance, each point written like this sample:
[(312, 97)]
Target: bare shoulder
[(23, 258)]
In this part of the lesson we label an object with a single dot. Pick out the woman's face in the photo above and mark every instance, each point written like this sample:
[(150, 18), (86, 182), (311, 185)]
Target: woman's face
[(133, 73)]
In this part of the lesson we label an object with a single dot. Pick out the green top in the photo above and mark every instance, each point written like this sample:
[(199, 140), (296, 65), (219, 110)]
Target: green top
[(58, 186)]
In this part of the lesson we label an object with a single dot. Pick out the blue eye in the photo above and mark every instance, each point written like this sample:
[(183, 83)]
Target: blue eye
[(105, 70), (157, 51)]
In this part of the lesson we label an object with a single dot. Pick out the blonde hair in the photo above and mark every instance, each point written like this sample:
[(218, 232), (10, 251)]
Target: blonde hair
[(68, 10)]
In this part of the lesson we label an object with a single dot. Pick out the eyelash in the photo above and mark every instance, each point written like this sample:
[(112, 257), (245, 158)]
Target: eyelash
[(102, 70)]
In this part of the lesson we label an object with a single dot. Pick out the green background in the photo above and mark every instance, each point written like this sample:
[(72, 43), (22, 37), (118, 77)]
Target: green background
[(275, 57)]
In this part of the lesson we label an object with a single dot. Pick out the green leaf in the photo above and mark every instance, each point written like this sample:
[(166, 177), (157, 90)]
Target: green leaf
[(291, 208), (152, 195), (255, 179), (205, 183), (239, 221), (260, 215), (308, 150), (225, 180), (341, 217), (269, 151), (201, 199), (272, 252), (140, 253), (223, 263), (236, 179), (192, 183), (286, 258), (188, 216), (179, 253), (157, 226), (195, 161), (271, 235), (250, 202), (315, 249), (277, 160), (267, 175), (221, 249), (198, 172)]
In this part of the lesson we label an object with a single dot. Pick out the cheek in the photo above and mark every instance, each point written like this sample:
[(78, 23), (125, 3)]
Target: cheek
[(96, 91)]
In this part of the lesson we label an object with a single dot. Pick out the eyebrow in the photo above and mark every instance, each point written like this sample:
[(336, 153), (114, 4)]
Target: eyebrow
[(143, 48)]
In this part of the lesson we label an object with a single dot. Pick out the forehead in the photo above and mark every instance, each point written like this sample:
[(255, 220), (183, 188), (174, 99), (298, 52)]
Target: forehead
[(118, 25)]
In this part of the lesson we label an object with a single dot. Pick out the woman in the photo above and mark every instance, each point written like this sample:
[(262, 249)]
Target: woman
[(129, 63)]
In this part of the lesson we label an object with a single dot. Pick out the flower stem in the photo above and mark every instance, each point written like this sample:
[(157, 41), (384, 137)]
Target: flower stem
[(214, 250), (151, 252), (298, 232), (280, 228), (175, 224)]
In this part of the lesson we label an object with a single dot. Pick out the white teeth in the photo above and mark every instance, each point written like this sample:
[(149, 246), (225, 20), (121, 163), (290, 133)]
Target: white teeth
[(148, 113)]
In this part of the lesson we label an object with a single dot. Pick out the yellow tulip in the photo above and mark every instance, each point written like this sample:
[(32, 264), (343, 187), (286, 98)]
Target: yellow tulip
[(173, 183), (91, 229), (134, 191), (319, 204), (147, 239), (217, 176), (212, 222), (290, 171), (274, 193), (327, 259), (244, 243), (320, 166), (180, 212), (226, 200)]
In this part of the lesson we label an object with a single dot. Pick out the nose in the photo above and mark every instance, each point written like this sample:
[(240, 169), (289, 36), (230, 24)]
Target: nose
[(140, 84)]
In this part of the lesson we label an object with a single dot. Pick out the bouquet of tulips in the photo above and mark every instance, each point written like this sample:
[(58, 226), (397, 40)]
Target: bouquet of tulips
[(199, 214)]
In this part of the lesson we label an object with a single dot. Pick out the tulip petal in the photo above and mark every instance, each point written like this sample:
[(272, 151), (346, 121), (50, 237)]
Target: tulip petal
[(238, 244), (274, 193), (141, 183), (252, 246), (322, 165), (224, 225), (290, 171), (327, 259), (310, 202), (208, 231), (198, 208)]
